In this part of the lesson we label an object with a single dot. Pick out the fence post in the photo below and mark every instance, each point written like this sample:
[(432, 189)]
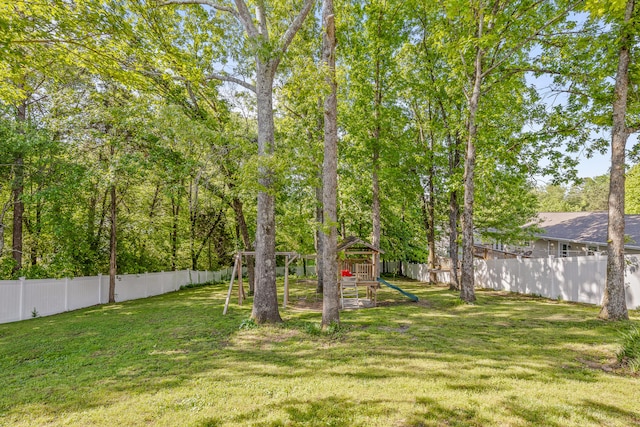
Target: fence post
[(552, 269), (66, 294), (21, 311), (600, 275), (99, 288), (519, 280)]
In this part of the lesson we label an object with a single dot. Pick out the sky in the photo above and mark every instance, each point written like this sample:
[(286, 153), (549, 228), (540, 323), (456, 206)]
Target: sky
[(597, 165)]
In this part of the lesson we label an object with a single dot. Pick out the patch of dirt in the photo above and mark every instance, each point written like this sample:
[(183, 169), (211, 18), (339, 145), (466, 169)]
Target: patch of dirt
[(402, 328), (612, 367), (305, 304), (263, 338)]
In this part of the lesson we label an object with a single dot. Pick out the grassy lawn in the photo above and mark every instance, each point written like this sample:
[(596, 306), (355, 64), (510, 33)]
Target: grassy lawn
[(175, 360)]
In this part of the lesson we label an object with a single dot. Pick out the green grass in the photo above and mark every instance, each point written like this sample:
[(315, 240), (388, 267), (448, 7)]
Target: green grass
[(175, 360)]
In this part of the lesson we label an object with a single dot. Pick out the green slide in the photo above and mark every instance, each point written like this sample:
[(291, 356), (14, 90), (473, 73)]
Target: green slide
[(409, 295)]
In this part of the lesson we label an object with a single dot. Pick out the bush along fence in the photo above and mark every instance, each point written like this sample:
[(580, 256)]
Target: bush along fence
[(578, 279)]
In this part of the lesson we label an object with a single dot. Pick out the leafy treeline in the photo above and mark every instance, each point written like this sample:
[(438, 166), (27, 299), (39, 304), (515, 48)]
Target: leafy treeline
[(144, 135), (587, 195)]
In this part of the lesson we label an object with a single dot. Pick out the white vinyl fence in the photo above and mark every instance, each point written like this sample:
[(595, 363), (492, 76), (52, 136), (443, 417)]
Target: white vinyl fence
[(22, 299), (414, 271), (578, 279)]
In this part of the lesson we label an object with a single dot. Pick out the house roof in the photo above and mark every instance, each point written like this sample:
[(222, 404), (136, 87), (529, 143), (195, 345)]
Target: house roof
[(353, 241), (585, 227)]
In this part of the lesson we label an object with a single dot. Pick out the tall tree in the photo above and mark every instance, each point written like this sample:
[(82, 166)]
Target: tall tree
[(268, 54), (486, 41), (614, 305), (607, 50), (330, 296)]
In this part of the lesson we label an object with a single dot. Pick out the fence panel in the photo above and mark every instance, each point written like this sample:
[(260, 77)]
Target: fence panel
[(157, 283), (592, 277), (19, 298), (44, 297), (632, 281), (82, 292), (9, 300), (182, 278), (130, 286), (578, 279)]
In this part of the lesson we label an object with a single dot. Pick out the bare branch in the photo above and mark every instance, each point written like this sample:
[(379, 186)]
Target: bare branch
[(225, 78), (549, 71), (262, 20), (247, 21), (287, 37), (209, 3)]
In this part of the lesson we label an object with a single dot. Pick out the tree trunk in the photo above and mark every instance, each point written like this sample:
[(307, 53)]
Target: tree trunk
[(454, 209), (375, 196), (265, 301), (207, 238), (614, 306), (35, 234), (236, 204), (268, 55), (193, 217), (17, 191), (330, 295), (454, 214), (5, 208), (427, 232), (431, 232), (95, 243), (91, 217), (152, 213), (18, 212), (175, 211), (467, 291), (431, 210), (319, 239), (112, 247)]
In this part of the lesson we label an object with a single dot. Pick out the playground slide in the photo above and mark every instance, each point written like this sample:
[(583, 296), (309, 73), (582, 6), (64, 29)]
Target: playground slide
[(409, 295)]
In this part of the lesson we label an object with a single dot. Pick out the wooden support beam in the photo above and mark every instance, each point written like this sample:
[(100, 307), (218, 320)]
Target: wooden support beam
[(240, 285), (226, 303), (285, 299)]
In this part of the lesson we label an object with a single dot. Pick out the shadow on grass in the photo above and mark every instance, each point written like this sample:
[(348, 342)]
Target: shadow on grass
[(602, 409), (96, 357), (436, 414)]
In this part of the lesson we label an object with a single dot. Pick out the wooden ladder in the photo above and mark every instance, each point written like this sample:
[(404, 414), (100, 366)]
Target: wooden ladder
[(349, 291)]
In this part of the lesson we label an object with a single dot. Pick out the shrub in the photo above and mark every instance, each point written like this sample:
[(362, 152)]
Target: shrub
[(248, 324), (629, 353), (199, 285)]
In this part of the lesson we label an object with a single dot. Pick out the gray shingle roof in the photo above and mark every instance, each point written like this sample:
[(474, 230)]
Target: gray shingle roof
[(586, 227), (356, 241)]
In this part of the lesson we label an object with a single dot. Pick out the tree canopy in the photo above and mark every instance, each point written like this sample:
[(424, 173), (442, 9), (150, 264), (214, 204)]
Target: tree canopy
[(171, 134)]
